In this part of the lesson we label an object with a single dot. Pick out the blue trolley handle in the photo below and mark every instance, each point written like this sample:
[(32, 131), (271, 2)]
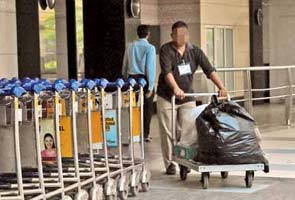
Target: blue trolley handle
[(142, 82), (102, 83), (131, 82), (119, 83), (72, 85), (16, 91), (87, 83)]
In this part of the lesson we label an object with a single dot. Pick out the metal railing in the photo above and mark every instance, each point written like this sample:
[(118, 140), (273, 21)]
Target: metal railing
[(248, 90)]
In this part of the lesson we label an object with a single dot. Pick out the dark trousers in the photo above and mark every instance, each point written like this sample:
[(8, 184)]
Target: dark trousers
[(147, 107), (147, 113)]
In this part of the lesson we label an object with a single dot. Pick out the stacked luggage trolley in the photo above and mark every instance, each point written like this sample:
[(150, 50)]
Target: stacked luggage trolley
[(64, 140), (185, 156)]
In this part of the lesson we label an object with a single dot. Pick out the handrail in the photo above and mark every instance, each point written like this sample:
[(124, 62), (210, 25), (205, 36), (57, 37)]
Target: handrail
[(254, 68), (248, 90)]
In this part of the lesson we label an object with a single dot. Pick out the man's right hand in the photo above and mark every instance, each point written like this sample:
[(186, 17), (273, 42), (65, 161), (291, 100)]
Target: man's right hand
[(178, 93)]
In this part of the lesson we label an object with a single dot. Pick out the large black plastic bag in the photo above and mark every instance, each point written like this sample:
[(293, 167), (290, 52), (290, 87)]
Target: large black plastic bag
[(227, 135)]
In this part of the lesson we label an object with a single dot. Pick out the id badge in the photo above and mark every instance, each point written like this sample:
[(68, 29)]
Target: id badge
[(184, 69)]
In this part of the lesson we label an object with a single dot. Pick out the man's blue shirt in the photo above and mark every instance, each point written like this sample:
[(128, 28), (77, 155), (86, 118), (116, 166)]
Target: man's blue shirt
[(140, 58)]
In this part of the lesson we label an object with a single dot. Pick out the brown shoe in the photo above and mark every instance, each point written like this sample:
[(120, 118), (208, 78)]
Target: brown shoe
[(171, 170)]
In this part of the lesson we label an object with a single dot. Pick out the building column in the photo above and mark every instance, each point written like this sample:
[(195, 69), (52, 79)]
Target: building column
[(104, 38), (8, 39), (61, 39), (28, 39), (259, 78)]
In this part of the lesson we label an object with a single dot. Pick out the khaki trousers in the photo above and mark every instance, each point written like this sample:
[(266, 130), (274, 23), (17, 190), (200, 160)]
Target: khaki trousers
[(164, 111)]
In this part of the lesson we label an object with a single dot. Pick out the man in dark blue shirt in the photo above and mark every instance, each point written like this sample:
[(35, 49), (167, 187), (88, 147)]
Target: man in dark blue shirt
[(179, 60)]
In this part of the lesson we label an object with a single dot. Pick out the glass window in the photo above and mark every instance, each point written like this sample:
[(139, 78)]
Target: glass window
[(210, 45), (219, 43), (229, 60), (47, 29)]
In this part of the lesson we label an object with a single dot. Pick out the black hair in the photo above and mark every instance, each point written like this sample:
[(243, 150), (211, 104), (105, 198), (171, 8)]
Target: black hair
[(49, 135), (179, 24), (143, 31)]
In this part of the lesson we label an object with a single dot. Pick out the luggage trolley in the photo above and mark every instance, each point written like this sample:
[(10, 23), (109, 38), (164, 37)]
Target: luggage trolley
[(184, 157), (11, 97), (140, 174), (33, 184), (78, 176), (118, 172), (92, 114), (55, 179), (98, 170), (81, 167), (129, 167)]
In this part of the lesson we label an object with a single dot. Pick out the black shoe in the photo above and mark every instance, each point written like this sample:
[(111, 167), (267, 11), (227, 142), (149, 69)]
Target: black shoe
[(148, 139), (171, 170)]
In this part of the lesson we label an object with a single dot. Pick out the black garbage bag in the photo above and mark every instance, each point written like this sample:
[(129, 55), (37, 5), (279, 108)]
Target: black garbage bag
[(227, 134)]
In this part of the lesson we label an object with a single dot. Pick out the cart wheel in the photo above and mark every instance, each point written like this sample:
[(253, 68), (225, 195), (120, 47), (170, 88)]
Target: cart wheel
[(145, 187), (110, 197), (249, 178), (183, 172), (134, 190), (205, 180), (67, 197), (123, 195), (224, 175)]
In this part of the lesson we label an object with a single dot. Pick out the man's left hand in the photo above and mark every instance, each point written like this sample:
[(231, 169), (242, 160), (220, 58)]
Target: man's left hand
[(149, 94), (222, 92)]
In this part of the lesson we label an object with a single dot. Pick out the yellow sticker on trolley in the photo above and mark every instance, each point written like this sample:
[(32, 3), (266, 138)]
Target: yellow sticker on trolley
[(96, 129), (126, 99), (63, 106), (66, 139), (136, 122)]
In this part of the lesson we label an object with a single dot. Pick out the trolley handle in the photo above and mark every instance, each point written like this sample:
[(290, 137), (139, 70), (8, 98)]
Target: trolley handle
[(35, 87), (29, 80), (72, 85), (131, 82), (11, 83), (195, 95), (102, 83), (142, 82), (56, 86), (3, 81), (87, 83), (16, 91)]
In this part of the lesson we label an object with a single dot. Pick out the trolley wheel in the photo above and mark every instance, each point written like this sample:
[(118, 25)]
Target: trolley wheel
[(145, 187), (67, 197), (96, 192), (205, 180), (123, 195), (110, 197), (224, 175), (123, 187), (249, 178), (134, 190), (183, 172)]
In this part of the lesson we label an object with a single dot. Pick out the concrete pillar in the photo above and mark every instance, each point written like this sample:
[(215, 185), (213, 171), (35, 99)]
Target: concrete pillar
[(28, 39), (104, 38), (281, 41), (8, 39), (61, 39), (259, 79)]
